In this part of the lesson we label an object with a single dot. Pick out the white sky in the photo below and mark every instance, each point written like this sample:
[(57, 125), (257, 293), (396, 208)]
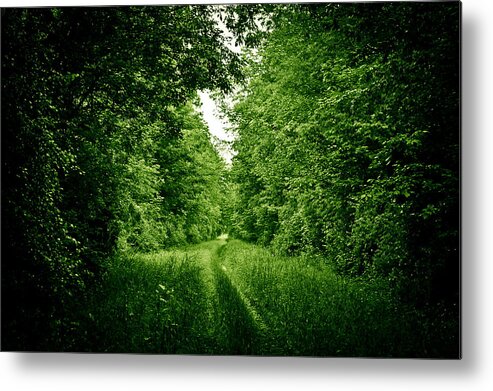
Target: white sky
[(217, 125), (210, 110)]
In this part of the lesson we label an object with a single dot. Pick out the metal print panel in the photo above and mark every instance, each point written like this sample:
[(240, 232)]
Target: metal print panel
[(274, 179)]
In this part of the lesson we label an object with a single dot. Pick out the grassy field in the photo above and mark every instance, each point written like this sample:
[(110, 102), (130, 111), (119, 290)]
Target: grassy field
[(224, 297)]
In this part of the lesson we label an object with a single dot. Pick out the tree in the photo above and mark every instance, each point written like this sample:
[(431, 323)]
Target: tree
[(348, 142)]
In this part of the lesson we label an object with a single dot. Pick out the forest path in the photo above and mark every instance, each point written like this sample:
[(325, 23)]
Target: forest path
[(234, 324), (204, 254)]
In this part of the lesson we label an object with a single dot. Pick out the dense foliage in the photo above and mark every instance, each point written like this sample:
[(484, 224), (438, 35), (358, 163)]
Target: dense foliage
[(102, 149), (348, 142)]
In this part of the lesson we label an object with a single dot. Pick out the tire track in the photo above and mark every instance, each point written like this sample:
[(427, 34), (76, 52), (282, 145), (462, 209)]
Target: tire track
[(234, 324), (259, 322), (241, 324)]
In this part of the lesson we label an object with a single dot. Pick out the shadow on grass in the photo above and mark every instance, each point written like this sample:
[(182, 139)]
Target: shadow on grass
[(237, 329)]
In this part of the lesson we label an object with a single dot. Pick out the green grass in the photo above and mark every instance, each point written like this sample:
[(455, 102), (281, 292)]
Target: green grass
[(237, 298), (148, 304), (308, 310)]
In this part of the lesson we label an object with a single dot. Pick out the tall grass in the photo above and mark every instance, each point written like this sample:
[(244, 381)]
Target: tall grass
[(148, 304), (165, 302), (309, 310), (237, 298)]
